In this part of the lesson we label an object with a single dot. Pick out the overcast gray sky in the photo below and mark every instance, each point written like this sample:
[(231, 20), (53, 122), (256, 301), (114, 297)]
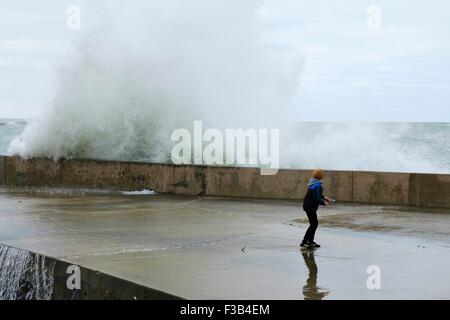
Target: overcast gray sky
[(398, 70)]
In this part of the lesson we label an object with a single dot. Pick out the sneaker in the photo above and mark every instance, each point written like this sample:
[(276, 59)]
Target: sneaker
[(313, 245), (304, 244)]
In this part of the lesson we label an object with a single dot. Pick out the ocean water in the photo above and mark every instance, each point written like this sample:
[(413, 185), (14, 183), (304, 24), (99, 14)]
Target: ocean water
[(394, 147)]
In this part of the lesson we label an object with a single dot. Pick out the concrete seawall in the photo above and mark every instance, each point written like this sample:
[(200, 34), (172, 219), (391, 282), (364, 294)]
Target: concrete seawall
[(431, 190)]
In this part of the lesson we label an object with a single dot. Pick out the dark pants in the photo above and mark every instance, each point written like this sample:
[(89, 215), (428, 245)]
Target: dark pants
[(313, 224)]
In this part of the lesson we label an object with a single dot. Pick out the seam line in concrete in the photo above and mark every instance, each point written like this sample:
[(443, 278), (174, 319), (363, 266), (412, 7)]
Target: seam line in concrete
[(353, 181)]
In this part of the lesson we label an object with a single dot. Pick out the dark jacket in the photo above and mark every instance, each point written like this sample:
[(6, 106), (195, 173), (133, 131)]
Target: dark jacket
[(314, 196)]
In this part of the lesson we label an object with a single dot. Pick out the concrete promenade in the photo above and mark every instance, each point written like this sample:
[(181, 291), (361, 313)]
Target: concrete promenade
[(202, 247)]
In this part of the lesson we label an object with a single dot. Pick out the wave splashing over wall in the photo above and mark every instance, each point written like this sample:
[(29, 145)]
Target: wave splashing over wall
[(24, 275), (145, 68)]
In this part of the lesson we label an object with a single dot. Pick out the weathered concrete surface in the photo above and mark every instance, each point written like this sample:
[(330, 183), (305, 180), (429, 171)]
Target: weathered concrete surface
[(429, 190), (234, 182), (346, 186), (91, 174), (34, 172), (2, 170), (187, 180), (379, 187), (339, 184), (224, 248)]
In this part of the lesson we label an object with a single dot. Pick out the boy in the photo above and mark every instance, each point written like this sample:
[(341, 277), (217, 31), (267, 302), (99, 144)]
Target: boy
[(313, 199)]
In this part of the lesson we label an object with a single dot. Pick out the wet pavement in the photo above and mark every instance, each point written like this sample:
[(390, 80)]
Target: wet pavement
[(221, 248)]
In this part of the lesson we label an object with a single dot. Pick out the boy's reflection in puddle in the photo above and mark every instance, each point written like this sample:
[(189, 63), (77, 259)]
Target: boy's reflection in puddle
[(310, 290)]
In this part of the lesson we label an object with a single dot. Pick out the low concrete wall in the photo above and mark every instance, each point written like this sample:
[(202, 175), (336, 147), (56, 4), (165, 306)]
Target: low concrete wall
[(346, 186), (189, 180), (38, 277)]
